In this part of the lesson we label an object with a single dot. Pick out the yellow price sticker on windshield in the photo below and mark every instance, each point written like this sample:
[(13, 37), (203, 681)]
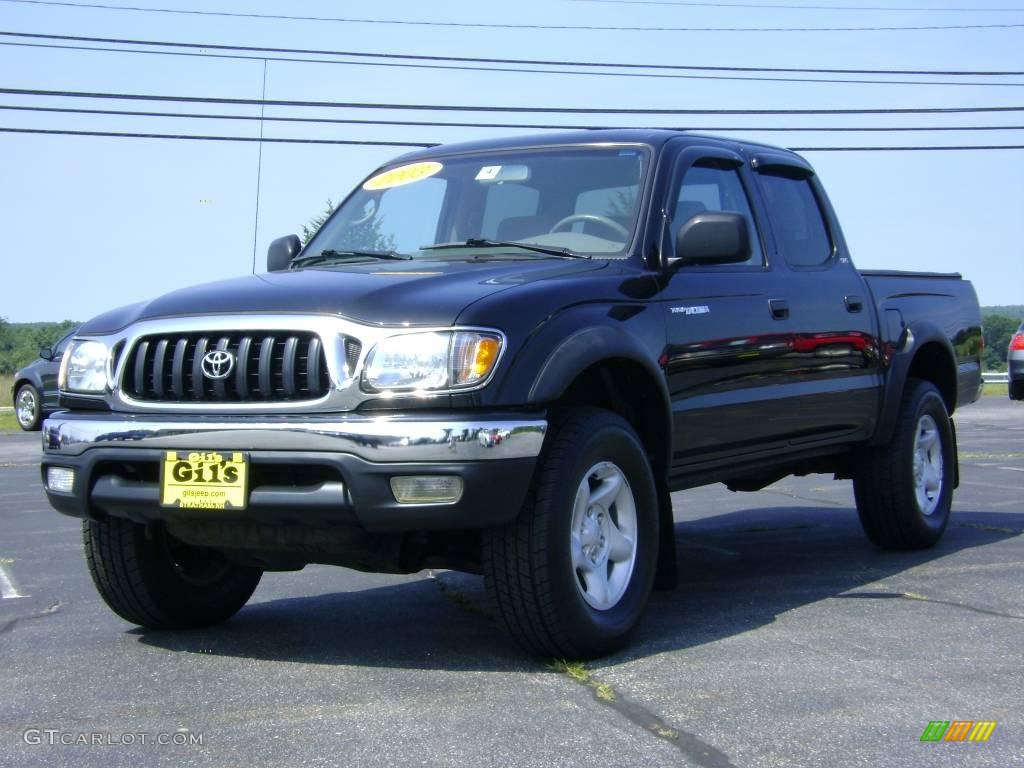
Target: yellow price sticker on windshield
[(403, 174)]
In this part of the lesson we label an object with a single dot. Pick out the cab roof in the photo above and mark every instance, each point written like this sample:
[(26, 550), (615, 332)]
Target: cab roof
[(655, 138)]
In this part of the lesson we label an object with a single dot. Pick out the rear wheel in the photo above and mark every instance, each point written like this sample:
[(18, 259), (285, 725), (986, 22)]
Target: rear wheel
[(572, 574), (1017, 390), (160, 582), (904, 489)]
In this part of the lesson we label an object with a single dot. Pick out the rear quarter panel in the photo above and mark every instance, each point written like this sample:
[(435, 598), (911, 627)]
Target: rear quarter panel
[(939, 308)]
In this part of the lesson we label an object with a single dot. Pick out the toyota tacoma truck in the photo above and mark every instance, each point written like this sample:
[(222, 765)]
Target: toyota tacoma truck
[(502, 357)]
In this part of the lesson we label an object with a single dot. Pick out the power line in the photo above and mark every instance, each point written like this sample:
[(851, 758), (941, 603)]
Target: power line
[(510, 109), (909, 149), (186, 137), (520, 126), (189, 137), (518, 70), (526, 62), (494, 25), (900, 9)]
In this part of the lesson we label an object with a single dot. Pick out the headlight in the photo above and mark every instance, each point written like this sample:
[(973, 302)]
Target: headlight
[(84, 368), (432, 361)]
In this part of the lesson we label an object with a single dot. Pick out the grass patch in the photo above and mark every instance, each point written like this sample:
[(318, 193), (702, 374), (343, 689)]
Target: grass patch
[(997, 389), (6, 382), (581, 675), (8, 422)]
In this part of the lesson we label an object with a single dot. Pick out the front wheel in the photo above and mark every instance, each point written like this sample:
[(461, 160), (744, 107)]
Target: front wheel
[(571, 576), (152, 579), (904, 489), (28, 407)]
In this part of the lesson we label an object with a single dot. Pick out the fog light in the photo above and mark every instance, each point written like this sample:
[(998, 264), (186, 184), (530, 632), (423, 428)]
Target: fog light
[(60, 479), (427, 489)]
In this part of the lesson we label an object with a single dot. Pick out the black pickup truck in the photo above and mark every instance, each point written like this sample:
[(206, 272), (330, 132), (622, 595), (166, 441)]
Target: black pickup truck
[(502, 357)]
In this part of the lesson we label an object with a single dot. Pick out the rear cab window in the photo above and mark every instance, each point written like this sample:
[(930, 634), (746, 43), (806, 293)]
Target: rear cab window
[(801, 233)]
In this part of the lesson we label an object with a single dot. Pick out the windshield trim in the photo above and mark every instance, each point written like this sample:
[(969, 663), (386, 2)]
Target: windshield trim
[(644, 185)]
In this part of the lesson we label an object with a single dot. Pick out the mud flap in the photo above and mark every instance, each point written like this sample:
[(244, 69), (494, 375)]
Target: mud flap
[(666, 577)]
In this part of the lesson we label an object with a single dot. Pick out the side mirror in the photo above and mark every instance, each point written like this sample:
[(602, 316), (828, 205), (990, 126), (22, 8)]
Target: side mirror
[(712, 238), (281, 252), (46, 353)]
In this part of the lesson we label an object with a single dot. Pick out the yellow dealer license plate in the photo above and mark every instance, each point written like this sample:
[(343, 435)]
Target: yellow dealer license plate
[(204, 480)]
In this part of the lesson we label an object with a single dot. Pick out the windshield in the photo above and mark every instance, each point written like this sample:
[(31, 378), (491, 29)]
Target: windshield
[(581, 200)]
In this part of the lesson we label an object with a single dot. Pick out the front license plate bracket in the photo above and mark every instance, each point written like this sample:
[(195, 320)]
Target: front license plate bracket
[(204, 480)]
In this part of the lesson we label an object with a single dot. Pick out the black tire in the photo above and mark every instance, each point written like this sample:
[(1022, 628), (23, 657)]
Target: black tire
[(528, 565), (896, 509), (28, 408), (1016, 390), (159, 582)]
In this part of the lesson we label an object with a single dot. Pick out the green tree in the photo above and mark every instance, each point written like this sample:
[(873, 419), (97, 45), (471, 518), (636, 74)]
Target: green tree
[(363, 234), (317, 222), (20, 342), (997, 330)]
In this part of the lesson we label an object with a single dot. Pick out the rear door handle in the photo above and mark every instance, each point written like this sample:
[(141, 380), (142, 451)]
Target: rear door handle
[(854, 303), (779, 308)]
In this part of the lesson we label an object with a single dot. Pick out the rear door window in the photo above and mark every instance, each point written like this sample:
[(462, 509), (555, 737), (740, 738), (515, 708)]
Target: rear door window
[(797, 221)]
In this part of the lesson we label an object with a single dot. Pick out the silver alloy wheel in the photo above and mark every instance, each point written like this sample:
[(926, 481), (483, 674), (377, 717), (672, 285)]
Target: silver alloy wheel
[(603, 536), (928, 465), (26, 407)]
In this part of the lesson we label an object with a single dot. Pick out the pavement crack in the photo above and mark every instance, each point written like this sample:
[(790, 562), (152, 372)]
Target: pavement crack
[(698, 751), (924, 599), (773, 529), (694, 748), (49, 611), (461, 599), (991, 528), (790, 495)]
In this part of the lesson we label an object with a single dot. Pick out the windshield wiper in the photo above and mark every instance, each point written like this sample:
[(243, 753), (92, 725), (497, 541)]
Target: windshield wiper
[(332, 255), (476, 242)]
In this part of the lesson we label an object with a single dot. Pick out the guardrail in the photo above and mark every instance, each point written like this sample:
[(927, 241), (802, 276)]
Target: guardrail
[(996, 378)]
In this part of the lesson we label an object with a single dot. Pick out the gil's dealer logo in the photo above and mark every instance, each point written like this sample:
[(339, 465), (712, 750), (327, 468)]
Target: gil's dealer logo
[(958, 730)]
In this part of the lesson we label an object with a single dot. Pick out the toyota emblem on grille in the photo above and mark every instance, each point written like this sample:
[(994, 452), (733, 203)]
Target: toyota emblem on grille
[(218, 364)]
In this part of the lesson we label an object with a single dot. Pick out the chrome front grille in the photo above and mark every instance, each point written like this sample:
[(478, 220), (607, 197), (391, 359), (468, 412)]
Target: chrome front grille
[(265, 366)]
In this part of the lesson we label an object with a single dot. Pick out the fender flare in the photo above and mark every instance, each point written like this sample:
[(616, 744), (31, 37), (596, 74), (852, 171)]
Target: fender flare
[(584, 348), (920, 333)]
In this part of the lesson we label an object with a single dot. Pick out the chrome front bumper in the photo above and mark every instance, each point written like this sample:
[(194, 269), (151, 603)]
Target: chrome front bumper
[(381, 438), (307, 473)]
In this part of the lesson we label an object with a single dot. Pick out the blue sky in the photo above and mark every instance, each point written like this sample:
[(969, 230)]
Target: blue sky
[(110, 221)]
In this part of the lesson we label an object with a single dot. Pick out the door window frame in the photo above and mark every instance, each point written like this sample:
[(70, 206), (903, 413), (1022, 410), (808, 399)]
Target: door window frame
[(795, 167), (726, 159)]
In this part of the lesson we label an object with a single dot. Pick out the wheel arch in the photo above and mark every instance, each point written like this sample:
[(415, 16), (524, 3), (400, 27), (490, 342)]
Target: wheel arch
[(605, 367), (18, 383), (928, 356)]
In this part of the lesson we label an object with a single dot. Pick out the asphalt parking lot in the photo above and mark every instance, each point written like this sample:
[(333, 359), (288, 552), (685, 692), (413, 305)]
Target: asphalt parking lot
[(790, 641)]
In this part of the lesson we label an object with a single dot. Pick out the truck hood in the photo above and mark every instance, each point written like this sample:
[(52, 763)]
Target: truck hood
[(408, 293)]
